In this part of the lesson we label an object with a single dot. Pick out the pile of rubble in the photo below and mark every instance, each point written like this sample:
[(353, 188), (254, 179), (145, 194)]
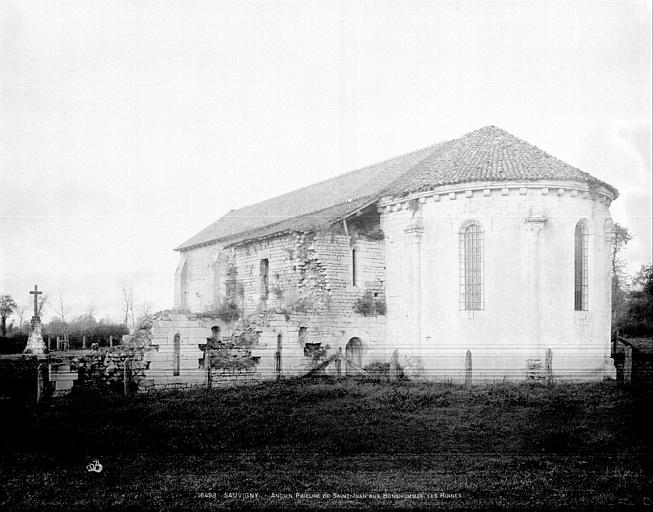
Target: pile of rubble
[(107, 366)]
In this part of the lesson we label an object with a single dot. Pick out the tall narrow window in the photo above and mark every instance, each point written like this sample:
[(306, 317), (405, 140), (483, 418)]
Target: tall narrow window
[(265, 270), (353, 267), (277, 356), (302, 336), (581, 239), (471, 266)]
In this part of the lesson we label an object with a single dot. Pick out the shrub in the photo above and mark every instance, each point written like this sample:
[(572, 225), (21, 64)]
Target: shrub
[(367, 305), (380, 370), (375, 234), (228, 311), (277, 291), (372, 235), (315, 351), (292, 302)]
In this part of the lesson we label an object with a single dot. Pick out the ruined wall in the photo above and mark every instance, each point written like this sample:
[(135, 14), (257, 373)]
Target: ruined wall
[(310, 295), (197, 279)]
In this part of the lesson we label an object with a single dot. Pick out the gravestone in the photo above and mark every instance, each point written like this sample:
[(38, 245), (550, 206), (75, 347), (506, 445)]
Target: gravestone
[(35, 344)]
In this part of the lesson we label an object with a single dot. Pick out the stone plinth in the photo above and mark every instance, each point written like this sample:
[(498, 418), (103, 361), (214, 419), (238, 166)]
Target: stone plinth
[(35, 344)]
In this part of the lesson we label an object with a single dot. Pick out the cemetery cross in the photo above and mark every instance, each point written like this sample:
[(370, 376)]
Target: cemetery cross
[(36, 294)]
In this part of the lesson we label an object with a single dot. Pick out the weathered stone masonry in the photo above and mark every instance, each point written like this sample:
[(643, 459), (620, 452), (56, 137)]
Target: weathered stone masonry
[(307, 313)]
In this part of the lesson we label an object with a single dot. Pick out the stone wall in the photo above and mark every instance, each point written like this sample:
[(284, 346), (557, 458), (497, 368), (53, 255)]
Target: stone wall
[(197, 279), (311, 291)]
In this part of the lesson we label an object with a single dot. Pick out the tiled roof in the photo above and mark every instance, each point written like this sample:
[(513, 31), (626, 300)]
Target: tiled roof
[(366, 183), (313, 220), (487, 154)]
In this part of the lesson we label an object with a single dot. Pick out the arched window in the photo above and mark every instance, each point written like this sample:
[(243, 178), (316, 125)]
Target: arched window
[(581, 239), (471, 266)]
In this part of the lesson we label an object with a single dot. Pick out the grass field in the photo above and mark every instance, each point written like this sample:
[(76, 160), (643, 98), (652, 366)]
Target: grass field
[(436, 446)]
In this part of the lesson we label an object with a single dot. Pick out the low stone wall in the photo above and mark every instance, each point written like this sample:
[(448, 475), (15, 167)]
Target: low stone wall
[(218, 378), (106, 368)]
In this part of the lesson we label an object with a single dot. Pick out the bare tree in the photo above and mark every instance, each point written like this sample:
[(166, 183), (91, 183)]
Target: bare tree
[(91, 311), (144, 310), (127, 301), (622, 236), (20, 311), (7, 306), (40, 309), (620, 285), (63, 319)]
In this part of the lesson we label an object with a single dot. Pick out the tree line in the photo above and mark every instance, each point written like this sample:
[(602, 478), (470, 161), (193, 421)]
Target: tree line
[(15, 324)]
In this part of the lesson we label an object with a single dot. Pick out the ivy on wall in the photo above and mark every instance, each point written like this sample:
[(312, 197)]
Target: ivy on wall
[(368, 305), (227, 311)]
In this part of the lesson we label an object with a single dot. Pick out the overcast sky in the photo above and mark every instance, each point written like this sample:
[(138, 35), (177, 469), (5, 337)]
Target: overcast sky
[(126, 127)]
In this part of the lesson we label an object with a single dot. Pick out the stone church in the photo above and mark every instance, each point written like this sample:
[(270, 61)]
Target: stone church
[(483, 250)]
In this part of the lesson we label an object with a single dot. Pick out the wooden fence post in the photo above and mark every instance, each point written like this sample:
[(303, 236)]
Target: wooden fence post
[(40, 385), (49, 343), (628, 364), (548, 366), (339, 363), (58, 343), (83, 342), (468, 368), (393, 365), (207, 366), (124, 376), (110, 341)]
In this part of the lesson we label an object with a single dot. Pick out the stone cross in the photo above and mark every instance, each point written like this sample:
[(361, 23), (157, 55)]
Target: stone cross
[(35, 345), (36, 294)]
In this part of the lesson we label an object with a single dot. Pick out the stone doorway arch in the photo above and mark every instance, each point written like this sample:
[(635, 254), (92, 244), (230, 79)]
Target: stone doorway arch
[(216, 331), (354, 352)]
